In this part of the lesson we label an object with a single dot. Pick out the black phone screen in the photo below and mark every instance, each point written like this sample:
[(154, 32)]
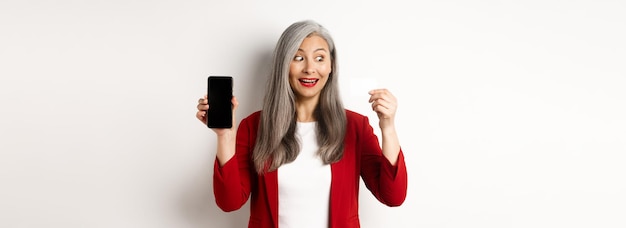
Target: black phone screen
[(220, 93)]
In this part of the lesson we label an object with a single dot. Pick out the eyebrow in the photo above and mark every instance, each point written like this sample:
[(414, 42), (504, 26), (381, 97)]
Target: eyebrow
[(319, 49)]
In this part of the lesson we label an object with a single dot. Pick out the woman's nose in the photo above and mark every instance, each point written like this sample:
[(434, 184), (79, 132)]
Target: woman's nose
[(309, 67)]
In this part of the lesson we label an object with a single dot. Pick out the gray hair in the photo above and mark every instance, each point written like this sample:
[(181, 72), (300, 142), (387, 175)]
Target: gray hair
[(276, 143)]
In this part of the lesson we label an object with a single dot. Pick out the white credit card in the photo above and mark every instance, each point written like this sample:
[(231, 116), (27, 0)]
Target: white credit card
[(361, 86)]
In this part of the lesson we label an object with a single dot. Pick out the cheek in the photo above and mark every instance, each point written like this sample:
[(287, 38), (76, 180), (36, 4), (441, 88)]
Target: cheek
[(326, 69), (292, 67), (292, 71), (292, 79)]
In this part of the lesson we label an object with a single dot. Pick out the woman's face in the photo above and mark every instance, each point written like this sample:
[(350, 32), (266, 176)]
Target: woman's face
[(309, 68)]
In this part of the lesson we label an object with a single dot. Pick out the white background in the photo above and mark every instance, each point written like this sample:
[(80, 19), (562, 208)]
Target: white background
[(512, 113)]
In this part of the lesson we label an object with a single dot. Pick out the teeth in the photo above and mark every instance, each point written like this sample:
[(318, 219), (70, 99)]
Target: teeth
[(308, 80)]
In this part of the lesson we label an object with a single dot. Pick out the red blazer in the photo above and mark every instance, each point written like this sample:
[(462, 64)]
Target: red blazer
[(237, 179)]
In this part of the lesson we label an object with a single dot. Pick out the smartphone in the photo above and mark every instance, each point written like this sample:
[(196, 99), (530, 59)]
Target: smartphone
[(220, 94)]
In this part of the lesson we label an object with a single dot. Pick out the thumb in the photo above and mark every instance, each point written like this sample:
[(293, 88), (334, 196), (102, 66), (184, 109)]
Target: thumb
[(235, 106)]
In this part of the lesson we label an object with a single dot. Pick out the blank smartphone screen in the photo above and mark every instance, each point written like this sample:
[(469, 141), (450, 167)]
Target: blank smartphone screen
[(220, 93)]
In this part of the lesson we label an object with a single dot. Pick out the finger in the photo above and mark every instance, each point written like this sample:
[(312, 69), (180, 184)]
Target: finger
[(386, 100), (235, 105), (202, 107), (373, 96), (384, 108), (377, 97), (378, 91), (234, 102), (384, 103), (203, 101), (380, 94), (201, 115), (383, 112)]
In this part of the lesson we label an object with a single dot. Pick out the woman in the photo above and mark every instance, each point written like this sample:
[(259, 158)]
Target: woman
[(302, 156)]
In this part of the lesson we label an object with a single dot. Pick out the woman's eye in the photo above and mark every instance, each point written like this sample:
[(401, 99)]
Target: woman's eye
[(298, 58), (319, 58)]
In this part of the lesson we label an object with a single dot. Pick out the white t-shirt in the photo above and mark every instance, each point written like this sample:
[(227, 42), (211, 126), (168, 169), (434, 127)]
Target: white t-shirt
[(304, 184)]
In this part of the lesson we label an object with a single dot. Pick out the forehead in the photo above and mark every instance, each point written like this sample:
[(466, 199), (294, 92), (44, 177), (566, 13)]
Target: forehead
[(314, 42)]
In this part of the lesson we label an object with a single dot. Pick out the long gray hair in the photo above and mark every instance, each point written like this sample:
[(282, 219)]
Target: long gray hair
[(276, 143)]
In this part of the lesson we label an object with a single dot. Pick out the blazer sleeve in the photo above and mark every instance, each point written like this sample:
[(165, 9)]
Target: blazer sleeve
[(388, 183), (232, 181)]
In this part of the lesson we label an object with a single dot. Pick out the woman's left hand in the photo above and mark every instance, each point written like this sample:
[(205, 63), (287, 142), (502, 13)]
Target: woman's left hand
[(385, 105)]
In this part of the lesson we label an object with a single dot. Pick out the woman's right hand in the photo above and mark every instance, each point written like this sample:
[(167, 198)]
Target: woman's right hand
[(203, 106)]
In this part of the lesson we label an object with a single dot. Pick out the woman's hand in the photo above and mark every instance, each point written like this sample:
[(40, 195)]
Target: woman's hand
[(385, 105), (226, 137), (203, 106)]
